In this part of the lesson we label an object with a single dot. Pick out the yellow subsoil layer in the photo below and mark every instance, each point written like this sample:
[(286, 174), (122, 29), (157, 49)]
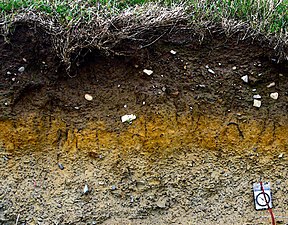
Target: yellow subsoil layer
[(148, 133)]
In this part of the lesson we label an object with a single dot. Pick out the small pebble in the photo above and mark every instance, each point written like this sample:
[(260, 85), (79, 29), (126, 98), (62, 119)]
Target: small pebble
[(271, 85), (6, 103), (173, 52), (13, 79), (257, 103), (274, 95), (76, 107), (257, 96), (148, 72), (143, 103), (25, 60), (86, 189), (113, 187), (131, 199), (234, 68), (125, 106), (61, 167), (88, 97), (281, 156), (245, 78), (211, 71), (21, 69), (8, 73), (254, 89)]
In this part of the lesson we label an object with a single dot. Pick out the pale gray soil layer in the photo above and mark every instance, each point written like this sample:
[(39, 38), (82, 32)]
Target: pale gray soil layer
[(192, 186)]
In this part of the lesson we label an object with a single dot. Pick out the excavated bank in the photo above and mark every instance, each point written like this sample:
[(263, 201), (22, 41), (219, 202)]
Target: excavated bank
[(197, 142)]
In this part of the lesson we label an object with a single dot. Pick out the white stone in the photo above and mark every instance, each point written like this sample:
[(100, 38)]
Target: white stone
[(125, 106), (271, 85), (211, 71), (6, 103), (76, 107), (143, 103), (219, 64), (257, 103), (21, 69), (207, 67), (88, 97), (8, 73), (173, 52), (257, 96), (86, 189), (128, 118), (245, 78), (13, 79), (281, 156), (148, 72), (25, 60), (254, 89), (234, 68), (274, 95)]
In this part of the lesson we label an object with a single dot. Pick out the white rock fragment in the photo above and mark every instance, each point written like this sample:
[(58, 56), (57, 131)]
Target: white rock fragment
[(88, 97), (271, 85), (257, 96), (220, 64), (125, 106), (118, 85), (245, 78), (86, 189), (257, 103), (128, 118), (281, 156), (25, 60), (211, 71), (143, 103), (234, 68), (13, 79), (21, 69), (254, 89), (148, 72), (6, 103), (274, 95), (173, 52), (76, 107), (8, 73), (207, 67)]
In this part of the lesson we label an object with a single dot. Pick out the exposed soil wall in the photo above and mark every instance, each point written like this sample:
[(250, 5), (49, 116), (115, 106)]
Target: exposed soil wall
[(197, 142)]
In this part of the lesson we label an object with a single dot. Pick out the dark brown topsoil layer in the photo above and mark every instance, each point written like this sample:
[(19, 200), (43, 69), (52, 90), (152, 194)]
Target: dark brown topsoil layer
[(180, 80)]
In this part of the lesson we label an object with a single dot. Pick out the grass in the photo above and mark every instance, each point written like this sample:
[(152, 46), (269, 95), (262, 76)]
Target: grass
[(268, 16)]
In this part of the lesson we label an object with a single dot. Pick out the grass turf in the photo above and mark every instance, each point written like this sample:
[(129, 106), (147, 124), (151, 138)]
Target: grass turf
[(267, 16)]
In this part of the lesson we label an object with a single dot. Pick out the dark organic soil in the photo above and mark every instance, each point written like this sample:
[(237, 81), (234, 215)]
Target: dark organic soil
[(188, 186)]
